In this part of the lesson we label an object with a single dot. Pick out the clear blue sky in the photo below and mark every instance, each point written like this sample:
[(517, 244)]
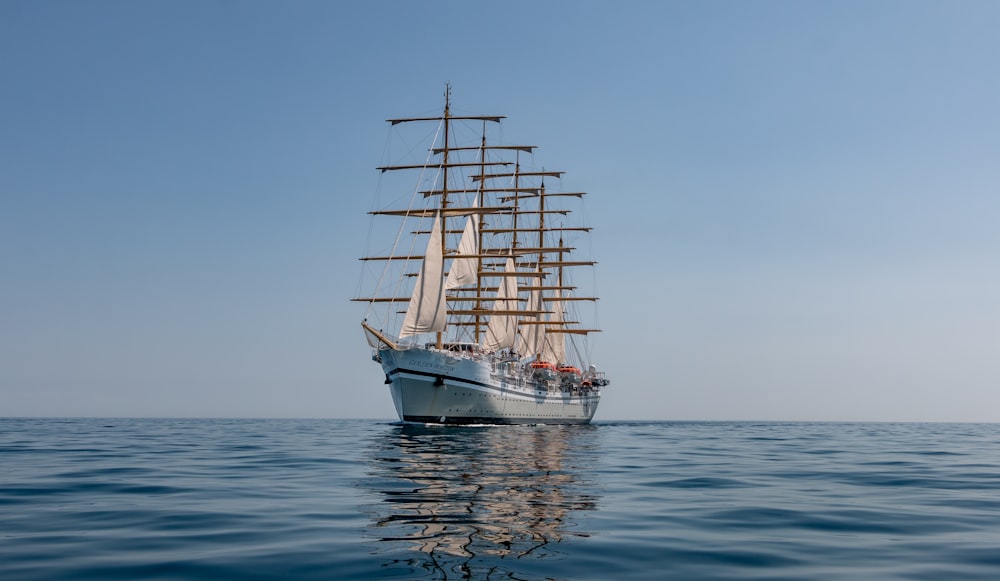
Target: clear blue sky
[(797, 204)]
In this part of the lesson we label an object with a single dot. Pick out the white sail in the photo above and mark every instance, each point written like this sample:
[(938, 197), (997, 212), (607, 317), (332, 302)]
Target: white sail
[(463, 270), (502, 330), (532, 335), (554, 349), (427, 309)]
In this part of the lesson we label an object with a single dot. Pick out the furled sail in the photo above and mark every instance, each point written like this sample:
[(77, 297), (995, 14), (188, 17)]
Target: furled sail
[(554, 349), (463, 271), (427, 309), (502, 329)]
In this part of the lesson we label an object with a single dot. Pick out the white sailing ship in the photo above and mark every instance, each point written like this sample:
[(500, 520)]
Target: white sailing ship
[(492, 331)]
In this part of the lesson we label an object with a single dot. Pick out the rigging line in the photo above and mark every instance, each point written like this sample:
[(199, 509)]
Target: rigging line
[(413, 197), (593, 282), (386, 153), (413, 243), (594, 307), (402, 227), (386, 157), (580, 360), (417, 145), (512, 181)]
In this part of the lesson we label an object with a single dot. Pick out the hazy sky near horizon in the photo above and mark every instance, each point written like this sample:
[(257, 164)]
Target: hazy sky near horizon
[(795, 203)]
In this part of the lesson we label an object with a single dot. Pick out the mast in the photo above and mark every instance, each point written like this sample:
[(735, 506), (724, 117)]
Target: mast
[(445, 207), (444, 185), (479, 243), (541, 259), (513, 241), (480, 260)]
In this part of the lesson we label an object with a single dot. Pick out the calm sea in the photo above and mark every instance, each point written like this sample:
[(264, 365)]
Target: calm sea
[(335, 499)]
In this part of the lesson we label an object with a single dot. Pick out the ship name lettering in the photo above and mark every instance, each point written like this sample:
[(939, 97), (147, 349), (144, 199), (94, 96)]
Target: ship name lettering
[(429, 365)]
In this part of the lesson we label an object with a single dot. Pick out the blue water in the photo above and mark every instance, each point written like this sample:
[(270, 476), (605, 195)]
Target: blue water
[(336, 499)]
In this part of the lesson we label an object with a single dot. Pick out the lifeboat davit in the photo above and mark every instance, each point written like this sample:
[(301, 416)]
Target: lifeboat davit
[(544, 369), (569, 373)]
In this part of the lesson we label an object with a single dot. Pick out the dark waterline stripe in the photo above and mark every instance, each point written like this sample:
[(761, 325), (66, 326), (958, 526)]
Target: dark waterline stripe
[(466, 420)]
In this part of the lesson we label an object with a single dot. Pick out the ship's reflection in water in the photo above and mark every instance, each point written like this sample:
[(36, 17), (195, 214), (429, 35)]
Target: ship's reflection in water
[(479, 502)]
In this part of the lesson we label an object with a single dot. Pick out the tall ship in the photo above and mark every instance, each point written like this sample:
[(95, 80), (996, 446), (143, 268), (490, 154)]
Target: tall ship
[(475, 305)]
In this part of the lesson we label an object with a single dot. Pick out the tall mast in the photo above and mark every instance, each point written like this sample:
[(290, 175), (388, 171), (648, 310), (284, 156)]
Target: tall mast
[(541, 244), (541, 221), (480, 198), (444, 186), (516, 198), (483, 258)]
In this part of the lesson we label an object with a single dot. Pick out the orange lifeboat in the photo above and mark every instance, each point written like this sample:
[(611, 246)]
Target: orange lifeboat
[(543, 370)]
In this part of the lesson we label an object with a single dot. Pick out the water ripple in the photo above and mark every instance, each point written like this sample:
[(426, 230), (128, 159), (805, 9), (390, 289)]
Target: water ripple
[(305, 499)]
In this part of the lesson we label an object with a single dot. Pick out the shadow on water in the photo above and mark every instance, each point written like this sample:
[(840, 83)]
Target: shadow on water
[(479, 502)]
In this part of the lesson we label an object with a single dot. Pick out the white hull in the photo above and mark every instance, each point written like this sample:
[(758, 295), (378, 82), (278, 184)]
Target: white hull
[(432, 386)]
